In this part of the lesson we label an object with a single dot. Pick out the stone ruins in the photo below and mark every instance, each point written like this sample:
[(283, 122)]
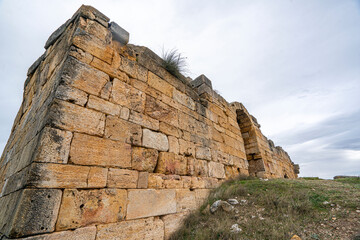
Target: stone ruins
[(107, 144)]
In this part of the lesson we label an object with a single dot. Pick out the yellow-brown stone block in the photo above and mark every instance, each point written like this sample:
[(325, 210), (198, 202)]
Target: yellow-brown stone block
[(158, 202), (85, 233), (160, 111), (66, 176), (173, 222), (169, 129), (124, 131), (90, 150), (122, 178), (84, 207), (185, 200), (140, 229), (75, 118), (128, 96), (103, 106), (216, 170), (197, 167), (144, 159), (156, 181), (144, 120), (170, 163), (160, 84)]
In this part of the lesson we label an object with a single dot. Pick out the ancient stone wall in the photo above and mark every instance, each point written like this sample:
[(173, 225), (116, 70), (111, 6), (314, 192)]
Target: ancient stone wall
[(109, 143)]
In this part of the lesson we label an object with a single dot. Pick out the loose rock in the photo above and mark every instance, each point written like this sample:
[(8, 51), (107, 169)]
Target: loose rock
[(233, 201), (235, 228)]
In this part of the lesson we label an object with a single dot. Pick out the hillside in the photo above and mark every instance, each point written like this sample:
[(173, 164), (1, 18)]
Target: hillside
[(279, 209)]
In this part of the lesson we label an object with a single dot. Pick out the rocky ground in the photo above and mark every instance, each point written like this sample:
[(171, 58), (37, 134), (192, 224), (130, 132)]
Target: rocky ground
[(278, 209)]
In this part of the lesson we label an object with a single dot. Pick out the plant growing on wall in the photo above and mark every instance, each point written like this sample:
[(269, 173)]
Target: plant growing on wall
[(174, 62)]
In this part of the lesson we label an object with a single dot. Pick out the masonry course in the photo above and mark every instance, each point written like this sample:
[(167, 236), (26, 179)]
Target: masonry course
[(109, 145)]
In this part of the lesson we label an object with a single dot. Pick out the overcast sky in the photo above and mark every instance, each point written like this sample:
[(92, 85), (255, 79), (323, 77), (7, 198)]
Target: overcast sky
[(295, 64)]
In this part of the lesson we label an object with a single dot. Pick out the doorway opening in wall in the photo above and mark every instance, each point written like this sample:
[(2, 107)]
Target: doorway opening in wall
[(250, 142)]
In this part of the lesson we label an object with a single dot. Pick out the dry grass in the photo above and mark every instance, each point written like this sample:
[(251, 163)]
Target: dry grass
[(278, 209), (174, 62)]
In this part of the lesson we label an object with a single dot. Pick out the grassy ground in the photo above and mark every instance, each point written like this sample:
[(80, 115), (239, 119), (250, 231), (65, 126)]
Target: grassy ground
[(278, 209)]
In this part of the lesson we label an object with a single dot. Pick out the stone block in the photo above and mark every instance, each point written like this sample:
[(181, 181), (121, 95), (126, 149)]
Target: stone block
[(112, 70), (125, 113), (122, 178), (169, 163), (184, 100), (197, 182), (196, 167), (169, 129), (186, 148), (124, 131), (143, 180), (160, 84), (36, 213), (118, 33), (185, 200), (90, 150), (158, 202), (133, 69), (203, 153), (93, 45), (172, 181), (128, 96), (216, 170), (173, 222), (155, 140), (66, 176), (141, 229), (84, 77), (106, 91), (160, 111), (144, 120), (144, 159), (70, 94), (231, 172), (173, 144), (86, 233), (54, 146), (156, 181), (72, 117), (103, 106), (202, 79), (84, 207)]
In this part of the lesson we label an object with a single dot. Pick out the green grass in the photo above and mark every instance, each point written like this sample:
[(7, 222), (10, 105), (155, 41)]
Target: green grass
[(274, 209)]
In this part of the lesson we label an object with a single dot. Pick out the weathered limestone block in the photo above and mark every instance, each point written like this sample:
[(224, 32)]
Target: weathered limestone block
[(197, 167), (143, 180), (128, 96), (119, 129), (155, 140), (203, 153), (216, 170), (186, 148), (174, 145), (84, 207), (106, 91), (231, 172), (172, 181), (71, 94), (169, 129), (144, 159), (93, 45), (89, 150), (86, 233), (133, 69), (66, 176), (160, 84), (173, 222), (72, 117), (37, 212), (160, 111), (184, 100), (156, 181), (103, 106), (141, 229), (94, 28), (125, 113), (54, 146), (111, 70), (185, 200), (197, 182), (84, 77), (144, 120), (122, 178), (158, 202), (169, 163)]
